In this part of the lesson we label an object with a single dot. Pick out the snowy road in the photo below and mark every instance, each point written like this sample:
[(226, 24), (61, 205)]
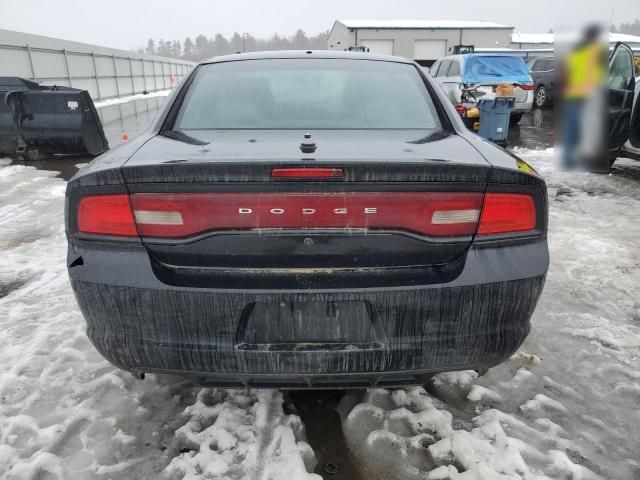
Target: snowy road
[(565, 407)]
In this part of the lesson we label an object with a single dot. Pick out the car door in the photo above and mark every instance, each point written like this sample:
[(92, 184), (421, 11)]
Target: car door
[(550, 77), (542, 72), (631, 149), (535, 68), (453, 81), (443, 68), (621, 86), (634, 132), (441, 77), (433, 71)]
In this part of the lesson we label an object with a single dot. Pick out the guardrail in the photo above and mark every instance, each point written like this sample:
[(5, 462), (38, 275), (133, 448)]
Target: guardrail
[(103, 76)]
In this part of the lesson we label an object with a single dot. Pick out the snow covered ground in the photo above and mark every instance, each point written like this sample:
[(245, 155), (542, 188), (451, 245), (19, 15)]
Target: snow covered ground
[(65, 413), (564, 407)]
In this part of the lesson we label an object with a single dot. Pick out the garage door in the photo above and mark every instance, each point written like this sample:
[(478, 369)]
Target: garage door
[(385, 47), (429, 49)]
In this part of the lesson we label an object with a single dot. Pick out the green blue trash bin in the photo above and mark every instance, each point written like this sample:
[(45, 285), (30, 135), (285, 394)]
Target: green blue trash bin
[(494, 118)]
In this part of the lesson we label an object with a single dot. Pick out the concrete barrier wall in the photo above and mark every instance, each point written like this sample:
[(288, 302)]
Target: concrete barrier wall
[(104, 73)]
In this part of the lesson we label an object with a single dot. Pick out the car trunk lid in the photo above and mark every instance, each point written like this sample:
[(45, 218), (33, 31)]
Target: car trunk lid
[(253, 202)]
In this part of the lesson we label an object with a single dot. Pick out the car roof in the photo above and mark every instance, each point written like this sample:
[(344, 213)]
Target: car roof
[(461, 56), (451, 57), (326, 54), (490, 54)]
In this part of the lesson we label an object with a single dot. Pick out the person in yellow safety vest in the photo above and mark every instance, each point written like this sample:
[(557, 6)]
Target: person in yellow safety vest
[(583, 75)]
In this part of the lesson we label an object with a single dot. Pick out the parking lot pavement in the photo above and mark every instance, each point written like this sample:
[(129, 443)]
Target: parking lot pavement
[(565, 405), (534, 131)]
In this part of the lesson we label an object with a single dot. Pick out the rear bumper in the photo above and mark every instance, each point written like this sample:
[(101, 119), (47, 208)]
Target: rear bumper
[(526, 105), (474, 322)]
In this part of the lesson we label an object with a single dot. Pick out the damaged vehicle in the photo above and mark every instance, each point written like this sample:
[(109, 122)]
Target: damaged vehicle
[(481, 74), (312, 219), (37, 121)]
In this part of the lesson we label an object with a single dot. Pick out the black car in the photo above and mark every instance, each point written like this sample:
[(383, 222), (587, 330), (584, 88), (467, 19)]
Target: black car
[(623, 104), (307, 220), (542, 70)]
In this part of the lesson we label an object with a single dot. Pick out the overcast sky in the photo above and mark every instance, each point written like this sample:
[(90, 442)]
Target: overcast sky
[(129, 23)]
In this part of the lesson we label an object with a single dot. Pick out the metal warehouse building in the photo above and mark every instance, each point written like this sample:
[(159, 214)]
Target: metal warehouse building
[(422, 40)]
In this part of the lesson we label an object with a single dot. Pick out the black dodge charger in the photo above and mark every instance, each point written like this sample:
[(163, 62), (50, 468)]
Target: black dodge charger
[(307, 220)]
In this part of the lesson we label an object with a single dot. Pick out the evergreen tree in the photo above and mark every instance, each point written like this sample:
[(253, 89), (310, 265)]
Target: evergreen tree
[(236, 43), (630, 28), (320, 41), (202, 46), (162, 48), (176, 49), (300, 40), (151, 47), (220, 45), (188, 48), (252, 43)]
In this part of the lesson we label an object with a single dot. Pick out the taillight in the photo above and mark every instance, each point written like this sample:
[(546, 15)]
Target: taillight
[(309, 172), (524, 86), (461, 109), (425, 213), (106, 215), (182, 215), (507, 213)]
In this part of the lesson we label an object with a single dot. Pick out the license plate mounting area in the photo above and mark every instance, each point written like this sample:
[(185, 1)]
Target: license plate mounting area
[(345, 325)]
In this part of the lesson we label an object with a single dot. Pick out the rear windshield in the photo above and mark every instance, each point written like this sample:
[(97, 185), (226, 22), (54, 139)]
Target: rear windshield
[(307, 94), (478, 69)]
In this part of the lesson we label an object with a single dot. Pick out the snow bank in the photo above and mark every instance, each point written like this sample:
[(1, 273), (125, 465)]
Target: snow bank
[(411, 434)]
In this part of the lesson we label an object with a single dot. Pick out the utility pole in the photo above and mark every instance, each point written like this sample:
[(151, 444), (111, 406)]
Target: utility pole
[(244, 41), (611, 20)]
